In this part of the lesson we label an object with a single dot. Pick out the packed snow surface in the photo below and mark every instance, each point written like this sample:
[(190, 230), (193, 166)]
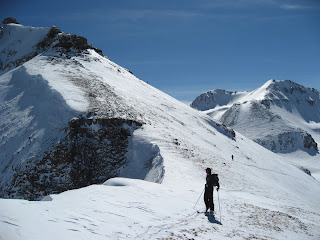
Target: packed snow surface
[(262, 196)]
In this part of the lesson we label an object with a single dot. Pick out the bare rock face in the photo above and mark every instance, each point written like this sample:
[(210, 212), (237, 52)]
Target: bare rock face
[(10, 20), (49, 39), (92, 151), (289, 141), (70, 41), (65, 42), (309, 142)]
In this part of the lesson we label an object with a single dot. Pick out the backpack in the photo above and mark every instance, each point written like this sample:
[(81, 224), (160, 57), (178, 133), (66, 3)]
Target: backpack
[(215, 179)]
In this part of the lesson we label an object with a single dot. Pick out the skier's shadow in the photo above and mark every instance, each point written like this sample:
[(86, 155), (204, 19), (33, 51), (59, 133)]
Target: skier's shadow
[(212, 219)]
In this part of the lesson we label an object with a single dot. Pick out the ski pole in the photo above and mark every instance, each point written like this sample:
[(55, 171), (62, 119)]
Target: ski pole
[(199, 198), (219, 205)]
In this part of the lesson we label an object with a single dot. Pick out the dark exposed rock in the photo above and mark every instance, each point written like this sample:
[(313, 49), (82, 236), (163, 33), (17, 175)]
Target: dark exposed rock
[(10, 20), (18, 62), (227, 131), (65, 42), (307, 171), (289, 141), (92, 151), (71, 41), (311, 102), (49, 39), (309, 143)]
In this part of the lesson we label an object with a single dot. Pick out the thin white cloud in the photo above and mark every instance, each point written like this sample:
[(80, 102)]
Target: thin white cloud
[(284, 4), (201, 10), (126, 15), (235, 3), (137, 14), (184, 14), (298, 7)]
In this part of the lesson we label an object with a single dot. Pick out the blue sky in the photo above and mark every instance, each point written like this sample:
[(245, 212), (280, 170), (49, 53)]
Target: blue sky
[(185, 48)]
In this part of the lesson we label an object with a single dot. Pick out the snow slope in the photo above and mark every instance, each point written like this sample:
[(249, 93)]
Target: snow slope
[(262, 196)]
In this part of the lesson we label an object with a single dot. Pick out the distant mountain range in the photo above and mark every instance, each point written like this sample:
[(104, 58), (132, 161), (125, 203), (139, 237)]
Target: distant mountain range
[(281, 115)]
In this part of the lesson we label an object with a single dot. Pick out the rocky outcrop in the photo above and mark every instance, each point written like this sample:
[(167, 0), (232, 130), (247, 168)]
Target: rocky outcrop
[(289, 141), (65, 43), (17, 62), (49, 39), (214, 98), (226, 130), (10, 20), (92, 151), (308, 142)]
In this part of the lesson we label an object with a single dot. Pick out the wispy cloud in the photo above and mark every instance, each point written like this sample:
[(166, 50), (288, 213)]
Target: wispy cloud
[(235, 3), (138, 14), (298, 7), (184, 14), (284, 4), (127, 15), (206, 9)]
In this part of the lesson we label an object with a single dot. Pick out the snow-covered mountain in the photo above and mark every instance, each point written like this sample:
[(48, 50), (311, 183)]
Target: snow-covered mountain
[(71, 118), (216, 98), (282, 116)]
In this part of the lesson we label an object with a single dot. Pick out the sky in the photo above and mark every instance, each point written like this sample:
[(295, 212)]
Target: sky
[(187, 47)]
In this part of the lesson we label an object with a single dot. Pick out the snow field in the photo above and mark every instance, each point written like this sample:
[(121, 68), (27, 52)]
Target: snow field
[(135, 209)]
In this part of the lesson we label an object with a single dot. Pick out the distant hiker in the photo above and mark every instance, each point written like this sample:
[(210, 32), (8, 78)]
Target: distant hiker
[(232, 157), (212, 180)]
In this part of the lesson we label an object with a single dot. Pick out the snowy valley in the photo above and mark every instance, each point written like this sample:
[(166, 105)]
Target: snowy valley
[(111, 157)]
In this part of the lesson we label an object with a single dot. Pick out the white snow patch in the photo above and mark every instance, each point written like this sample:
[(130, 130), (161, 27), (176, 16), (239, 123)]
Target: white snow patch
[(73, 95)]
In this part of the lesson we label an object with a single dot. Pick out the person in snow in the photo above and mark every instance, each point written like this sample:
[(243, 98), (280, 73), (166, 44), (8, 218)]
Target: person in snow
[(212, 180), (232, 157)]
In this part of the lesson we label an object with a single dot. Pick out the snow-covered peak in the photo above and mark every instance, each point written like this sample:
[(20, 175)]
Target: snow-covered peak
[(291, 97), (214, 98), (281, 90), (285, 94), (281, 115), (18, 43), (289, 90)]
